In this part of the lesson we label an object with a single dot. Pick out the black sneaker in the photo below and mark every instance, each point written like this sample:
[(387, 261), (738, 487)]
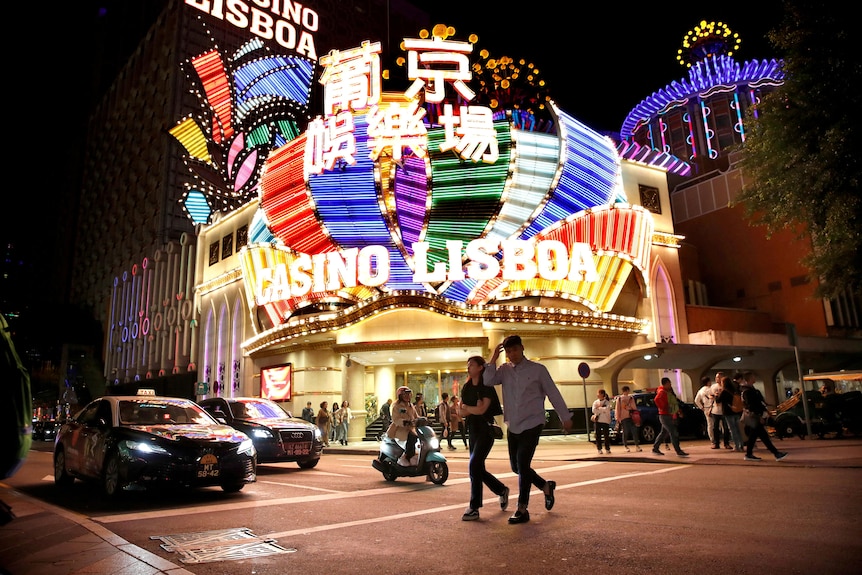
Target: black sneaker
[(549, 497), (752, 458), (504, 499), (470, 515), (681, 454), (780, 455), (520, 516), (657, 452)]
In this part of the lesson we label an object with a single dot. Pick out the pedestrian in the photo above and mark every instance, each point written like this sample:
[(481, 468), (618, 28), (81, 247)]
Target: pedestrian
[(755, 410), (703, 400), (668, 410), (344, 416), (720, 428), (602, 419), (479, 405), (726, 397), (525, 384), (419, 405), (403, 426), (623, 409), (324, 422), (444, 417), (456, 422), (308, 412), (333, 426)]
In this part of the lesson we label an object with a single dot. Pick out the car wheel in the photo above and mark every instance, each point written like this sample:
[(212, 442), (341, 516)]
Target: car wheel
[(232, 487), (308, 464), (786, 426), (61, 475), (438, 472), (111, 477), (648, 433)]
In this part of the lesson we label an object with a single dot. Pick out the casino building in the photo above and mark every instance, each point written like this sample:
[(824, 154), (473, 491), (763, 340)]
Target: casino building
[(345, 236)]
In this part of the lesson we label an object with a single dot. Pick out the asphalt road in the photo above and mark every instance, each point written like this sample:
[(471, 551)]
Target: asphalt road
[(628, 514)]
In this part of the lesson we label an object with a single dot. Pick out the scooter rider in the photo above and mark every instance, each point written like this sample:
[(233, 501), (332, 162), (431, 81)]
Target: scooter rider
[(403, 426)]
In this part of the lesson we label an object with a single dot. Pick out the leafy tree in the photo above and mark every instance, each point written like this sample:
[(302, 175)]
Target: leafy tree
[(802, 152)]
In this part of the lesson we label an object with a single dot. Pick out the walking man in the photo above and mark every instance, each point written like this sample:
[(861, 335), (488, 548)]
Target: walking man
[(525, 384), (668, 408), (754, 403)]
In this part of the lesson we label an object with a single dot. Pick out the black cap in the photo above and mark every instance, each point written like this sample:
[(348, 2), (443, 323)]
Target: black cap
[(512, 341)]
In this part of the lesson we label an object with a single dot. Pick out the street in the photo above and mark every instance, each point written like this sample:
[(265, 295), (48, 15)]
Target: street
[(612, 515)]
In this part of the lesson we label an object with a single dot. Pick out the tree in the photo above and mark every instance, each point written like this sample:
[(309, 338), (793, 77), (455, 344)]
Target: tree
[(802, 151)]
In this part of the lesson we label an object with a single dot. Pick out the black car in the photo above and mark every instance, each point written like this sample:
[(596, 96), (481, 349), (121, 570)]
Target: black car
[(135, 442), (691, 423), (277, 435), (45, 430)]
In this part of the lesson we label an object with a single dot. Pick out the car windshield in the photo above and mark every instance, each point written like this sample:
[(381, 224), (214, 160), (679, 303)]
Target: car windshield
[(262, 409), (157, 412)]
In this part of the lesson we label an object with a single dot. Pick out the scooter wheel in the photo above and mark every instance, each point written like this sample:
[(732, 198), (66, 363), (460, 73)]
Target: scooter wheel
[(389, 473), (438, 472)]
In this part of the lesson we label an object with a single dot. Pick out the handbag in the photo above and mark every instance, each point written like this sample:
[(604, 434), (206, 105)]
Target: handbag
[(593, 418), (496, 430), (636, 417), (750, 419)]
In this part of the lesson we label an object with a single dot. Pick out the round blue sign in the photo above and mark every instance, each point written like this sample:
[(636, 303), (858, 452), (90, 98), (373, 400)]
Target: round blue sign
[(584, 370)]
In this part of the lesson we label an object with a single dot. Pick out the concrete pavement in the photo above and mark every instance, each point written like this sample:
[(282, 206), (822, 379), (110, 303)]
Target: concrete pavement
[(44, 538)]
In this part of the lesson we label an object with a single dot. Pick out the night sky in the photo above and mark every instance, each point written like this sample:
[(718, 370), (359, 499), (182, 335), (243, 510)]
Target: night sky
[(599, 64)]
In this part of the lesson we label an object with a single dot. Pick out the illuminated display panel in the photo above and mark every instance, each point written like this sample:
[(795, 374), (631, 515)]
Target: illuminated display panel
[(276, 382)]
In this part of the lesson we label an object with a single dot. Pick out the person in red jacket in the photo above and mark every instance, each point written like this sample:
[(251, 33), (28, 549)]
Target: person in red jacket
[(668, 408)]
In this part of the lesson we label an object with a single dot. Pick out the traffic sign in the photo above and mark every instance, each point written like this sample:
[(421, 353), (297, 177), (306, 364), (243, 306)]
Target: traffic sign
[(584, 370)]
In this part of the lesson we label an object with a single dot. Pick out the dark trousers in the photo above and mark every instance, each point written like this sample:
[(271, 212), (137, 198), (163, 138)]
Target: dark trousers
[(410, 448), (668, 430), (456, 427), (755, 433), (522, 447), (719, 430), (603, 435), (481, 443)]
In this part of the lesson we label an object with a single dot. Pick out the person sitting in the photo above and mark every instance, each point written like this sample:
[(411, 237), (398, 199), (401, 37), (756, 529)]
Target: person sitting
[(403, 426)]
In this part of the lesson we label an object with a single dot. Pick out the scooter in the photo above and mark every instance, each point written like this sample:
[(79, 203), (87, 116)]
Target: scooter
[(430, 462)]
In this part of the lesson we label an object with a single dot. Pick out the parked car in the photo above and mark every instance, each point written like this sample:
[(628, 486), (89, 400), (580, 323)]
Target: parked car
[(277, 435), (691, 424), (134, 442)]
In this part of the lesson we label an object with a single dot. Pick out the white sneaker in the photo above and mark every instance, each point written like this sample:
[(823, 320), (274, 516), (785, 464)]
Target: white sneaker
[(600, 451), (628, 450), (639, 449)]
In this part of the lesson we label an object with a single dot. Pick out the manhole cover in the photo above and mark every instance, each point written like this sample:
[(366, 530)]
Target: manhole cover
[(220, 545)]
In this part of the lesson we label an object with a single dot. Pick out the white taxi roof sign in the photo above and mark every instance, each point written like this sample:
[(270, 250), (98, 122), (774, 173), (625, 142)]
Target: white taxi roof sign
[(146, 391)]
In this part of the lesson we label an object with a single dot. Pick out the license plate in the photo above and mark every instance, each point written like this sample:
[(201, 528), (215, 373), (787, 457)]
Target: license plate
[(208, 466), (303, 448)]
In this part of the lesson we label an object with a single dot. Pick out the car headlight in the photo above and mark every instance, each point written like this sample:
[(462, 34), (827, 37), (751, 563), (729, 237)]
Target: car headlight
[(146, 447), (434, 443), (317, 434), (246, 447), (262, 433)]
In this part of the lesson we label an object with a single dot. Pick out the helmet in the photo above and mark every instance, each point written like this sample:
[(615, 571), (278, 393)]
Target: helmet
[(403, 389)]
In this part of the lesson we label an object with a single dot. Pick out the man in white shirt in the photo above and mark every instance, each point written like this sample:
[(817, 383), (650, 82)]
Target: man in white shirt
[(704, 401), (525, 384)]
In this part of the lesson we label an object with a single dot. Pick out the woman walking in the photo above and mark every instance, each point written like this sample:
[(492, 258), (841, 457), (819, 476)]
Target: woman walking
[(479, 405)]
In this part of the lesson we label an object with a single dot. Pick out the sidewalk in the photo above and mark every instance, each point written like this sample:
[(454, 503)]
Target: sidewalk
[(79, 546)]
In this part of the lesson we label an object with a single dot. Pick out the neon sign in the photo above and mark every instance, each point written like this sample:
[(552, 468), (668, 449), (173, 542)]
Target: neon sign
[(369, 266)]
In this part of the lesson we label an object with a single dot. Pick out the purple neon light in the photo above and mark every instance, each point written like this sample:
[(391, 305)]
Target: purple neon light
[(705, 75)]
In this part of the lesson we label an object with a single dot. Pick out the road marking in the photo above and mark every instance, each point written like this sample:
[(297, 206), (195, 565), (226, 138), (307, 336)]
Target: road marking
[(395, 489)]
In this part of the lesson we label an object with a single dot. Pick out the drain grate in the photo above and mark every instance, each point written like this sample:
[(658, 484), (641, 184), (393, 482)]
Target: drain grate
[(220, 545)]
